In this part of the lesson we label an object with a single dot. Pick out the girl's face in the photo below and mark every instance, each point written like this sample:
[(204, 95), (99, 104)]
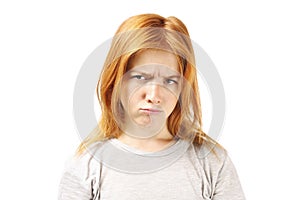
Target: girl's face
[(150, 91)]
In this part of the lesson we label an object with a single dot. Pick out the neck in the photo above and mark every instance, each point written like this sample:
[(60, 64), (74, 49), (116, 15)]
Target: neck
[(158, 142)]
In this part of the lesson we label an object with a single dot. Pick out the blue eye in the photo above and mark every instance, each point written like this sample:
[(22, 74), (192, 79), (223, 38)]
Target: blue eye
[(171, 81), (138, 77)]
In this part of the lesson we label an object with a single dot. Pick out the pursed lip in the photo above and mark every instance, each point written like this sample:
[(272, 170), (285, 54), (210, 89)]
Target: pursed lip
[(150, 110)]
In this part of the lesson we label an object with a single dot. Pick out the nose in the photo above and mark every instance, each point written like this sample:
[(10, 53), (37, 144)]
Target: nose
[(153, 94)]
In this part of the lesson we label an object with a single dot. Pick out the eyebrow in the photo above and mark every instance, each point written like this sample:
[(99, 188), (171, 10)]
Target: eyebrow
[(141, 73), (150, 74), (174, 76)]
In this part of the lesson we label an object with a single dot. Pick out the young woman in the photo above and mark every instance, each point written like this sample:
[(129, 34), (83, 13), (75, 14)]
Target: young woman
[(149, 143)]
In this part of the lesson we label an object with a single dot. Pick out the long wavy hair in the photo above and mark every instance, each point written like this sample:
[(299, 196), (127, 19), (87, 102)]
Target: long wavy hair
[(137, 34)]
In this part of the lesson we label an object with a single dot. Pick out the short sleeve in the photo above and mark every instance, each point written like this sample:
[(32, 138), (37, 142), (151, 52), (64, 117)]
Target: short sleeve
[(80, 179), (228, 185)]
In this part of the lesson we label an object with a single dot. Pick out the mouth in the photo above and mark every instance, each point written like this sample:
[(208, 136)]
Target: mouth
[(150, 110)]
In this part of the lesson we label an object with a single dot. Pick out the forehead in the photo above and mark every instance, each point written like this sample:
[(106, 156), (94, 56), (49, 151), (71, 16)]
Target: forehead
[(154, 57)]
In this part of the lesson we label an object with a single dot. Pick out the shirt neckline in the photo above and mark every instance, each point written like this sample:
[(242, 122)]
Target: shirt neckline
[(170, 148)]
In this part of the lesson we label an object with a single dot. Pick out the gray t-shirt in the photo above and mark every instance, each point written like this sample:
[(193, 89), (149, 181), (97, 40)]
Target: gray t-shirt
[(198, 173)]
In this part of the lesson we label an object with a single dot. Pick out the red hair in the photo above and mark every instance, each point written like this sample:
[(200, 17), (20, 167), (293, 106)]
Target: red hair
[(136, 34)]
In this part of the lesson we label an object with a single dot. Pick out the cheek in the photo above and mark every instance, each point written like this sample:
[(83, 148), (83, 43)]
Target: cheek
[(131, 95), (124, 96), (171, 103)]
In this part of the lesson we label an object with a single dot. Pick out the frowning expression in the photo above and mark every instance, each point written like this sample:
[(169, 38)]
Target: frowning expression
[(151, 87)]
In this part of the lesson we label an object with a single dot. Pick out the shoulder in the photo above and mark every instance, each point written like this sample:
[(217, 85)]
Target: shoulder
[(214, 158), (86, 161), (216, 164), (211, 152)]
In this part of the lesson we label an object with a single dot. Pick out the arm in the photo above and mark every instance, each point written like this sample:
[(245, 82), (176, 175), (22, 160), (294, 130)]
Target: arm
[(79, 181), (228, 185)]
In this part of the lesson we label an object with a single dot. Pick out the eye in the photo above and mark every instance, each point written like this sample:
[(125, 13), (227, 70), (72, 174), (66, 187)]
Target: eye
[(171, 81), (138, 77)]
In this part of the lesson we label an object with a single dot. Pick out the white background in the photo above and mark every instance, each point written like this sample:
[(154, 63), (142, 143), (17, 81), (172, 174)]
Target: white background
[(254, 45)]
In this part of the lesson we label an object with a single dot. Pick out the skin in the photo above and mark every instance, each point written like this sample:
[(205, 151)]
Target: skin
[(150, 93)]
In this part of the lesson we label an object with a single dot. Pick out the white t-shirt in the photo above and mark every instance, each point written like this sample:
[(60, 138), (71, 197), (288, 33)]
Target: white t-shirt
[(125, 173)]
